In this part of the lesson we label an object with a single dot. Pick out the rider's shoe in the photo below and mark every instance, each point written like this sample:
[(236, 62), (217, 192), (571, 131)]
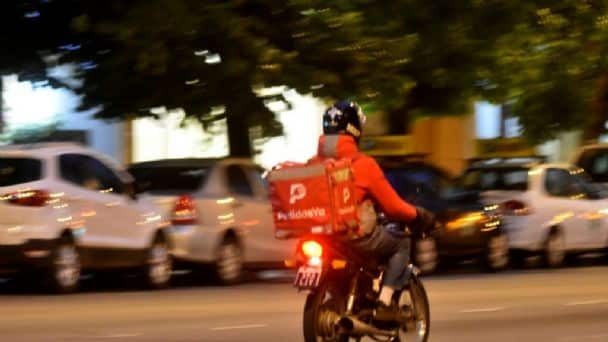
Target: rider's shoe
[(386, 313)]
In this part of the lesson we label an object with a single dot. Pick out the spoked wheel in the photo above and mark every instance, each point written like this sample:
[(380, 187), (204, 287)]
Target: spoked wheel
[(158, 265), (555, 249), (65, 268), (322, 310), (496, 256), (229, 265), (418, 327)]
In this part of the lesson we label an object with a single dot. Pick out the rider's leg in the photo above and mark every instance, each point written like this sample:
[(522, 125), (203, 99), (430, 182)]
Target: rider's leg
[(396, 275), (394, 248)]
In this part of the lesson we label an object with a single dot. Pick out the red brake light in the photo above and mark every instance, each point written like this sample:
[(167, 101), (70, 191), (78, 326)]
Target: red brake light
[(312, 249), (515, 207), (184, 211), (30, 198)]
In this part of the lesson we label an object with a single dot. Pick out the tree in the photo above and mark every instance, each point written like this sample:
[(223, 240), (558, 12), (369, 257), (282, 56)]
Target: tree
[(403, 57), (553, 66), (31, 31), (406, 57), (198, 56)]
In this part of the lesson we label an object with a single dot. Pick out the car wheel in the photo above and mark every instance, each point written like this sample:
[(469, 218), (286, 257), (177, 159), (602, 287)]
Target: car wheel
[(555, 249), (426, 256), (65, 267), (496, 256), (229, 264), (159, 264)]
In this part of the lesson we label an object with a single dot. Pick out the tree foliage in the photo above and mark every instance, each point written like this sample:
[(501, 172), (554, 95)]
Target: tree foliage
[(553, 65), (31, 31), (403, 57)]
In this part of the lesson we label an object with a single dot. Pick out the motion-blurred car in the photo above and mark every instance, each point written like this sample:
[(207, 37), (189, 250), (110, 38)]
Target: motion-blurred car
[(65, 208), (466, 231), (552, 210), (220, 211)]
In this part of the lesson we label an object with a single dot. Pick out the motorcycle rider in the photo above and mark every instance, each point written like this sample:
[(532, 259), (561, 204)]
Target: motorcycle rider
[(342, 128)]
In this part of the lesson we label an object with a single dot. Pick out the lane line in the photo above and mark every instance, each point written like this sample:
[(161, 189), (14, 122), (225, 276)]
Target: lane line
[(587, 302), (235, 327), (499, 308), (588, 337), (117, 335)]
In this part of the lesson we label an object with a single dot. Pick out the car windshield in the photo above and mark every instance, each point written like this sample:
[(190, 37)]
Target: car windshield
[(397, 175), (15, 171), (485, 179), (170, 180), (406, 180)]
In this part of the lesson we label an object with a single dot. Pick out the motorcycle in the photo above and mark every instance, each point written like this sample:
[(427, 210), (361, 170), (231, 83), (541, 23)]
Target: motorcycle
[(343, 290)]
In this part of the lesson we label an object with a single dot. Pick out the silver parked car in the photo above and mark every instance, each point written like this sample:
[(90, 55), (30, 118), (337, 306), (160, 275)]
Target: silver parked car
[(220, 212)]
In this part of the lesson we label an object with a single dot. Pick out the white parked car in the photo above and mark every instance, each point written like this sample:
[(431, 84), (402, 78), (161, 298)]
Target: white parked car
[(549, 209), (221, 213), (65, 208)]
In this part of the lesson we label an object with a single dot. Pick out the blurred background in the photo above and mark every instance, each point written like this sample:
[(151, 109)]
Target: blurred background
[(460, 94), (251, 78)]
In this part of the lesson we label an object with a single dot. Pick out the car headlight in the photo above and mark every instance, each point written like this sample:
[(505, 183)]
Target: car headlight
[(476, 218)]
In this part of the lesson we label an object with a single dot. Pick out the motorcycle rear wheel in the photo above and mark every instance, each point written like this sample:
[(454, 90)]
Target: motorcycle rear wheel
[(324, 307)]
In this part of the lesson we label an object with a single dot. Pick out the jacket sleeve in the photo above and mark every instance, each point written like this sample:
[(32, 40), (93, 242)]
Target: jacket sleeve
[(387, 198)]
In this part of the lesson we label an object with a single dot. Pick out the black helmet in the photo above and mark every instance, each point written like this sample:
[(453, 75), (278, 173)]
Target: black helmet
[(344, 117)]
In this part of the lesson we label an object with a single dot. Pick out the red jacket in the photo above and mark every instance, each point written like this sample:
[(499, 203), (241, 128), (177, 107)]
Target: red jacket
[(369, 177)]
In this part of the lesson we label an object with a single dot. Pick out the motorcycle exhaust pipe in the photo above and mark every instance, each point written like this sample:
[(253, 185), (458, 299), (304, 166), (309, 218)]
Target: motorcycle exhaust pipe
[(353, 326)]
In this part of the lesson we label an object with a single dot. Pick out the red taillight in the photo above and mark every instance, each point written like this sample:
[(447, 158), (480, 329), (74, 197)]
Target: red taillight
[(184, 211), (30, 198), (312, 249), (515, 207)]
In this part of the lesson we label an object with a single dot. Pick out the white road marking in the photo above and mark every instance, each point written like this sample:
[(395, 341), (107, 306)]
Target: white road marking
[(235, 327), (587, 302), (588, 337), (483, 310), (118, 335)]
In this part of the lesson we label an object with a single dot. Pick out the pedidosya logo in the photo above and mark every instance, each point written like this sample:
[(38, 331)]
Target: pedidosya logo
[(345, 195), (297, 191)]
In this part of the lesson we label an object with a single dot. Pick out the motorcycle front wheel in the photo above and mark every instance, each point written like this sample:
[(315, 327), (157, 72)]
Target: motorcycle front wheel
[(324, 307), (419, 326)]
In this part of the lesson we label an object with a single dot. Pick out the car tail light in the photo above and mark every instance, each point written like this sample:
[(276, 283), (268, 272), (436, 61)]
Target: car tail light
[(184, 211), (515, 207), (30, 198)]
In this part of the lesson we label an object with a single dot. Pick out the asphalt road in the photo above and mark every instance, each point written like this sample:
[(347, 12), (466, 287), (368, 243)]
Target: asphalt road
[(534, 305)]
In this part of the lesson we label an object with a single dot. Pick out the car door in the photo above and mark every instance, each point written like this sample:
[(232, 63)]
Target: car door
[(596, 210), (276, 250), (249, 212), (97, 192), (570, 210)]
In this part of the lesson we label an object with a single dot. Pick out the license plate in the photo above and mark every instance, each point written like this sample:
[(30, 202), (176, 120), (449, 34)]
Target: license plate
[(308, 277)]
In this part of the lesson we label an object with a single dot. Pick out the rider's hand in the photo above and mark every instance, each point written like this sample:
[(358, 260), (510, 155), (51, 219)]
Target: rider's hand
[(425, 220)]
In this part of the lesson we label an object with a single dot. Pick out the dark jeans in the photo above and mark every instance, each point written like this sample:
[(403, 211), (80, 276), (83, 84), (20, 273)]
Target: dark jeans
[(390, 247)]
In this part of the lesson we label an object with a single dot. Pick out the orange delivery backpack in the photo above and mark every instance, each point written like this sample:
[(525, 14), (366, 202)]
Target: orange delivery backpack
[(316, 197)]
